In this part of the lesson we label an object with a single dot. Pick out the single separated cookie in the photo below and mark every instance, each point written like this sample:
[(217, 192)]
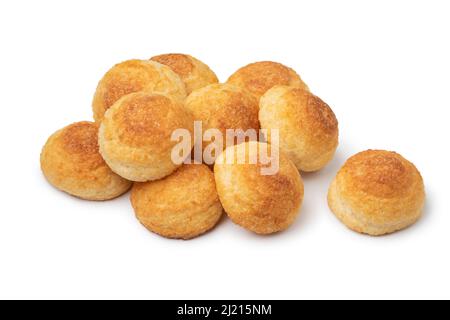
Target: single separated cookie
[(377, 192)]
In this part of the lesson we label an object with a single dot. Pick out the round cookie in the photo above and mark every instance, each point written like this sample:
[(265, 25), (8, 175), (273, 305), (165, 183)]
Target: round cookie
[(71, 162), (308, 128), (222, 107), (183, 205), (259, 77), (134, 76), (135, 136), (263, 204), (377, 192), (194, 73)]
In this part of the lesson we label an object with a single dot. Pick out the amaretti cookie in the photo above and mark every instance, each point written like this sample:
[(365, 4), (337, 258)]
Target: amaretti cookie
[(259, 77), (308, 128), (260, 203), (70, 160), (135, 136), (183, 205), (134, 76), (194, 73), (377, 192)]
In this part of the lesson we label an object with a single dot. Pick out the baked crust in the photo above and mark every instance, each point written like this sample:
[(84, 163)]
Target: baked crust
[(259, 77), (194, 73), (377, 192), (263, 204), (135, 76), (183, 205), (70, 161), (135, 135), (308, 128), (224, 106)]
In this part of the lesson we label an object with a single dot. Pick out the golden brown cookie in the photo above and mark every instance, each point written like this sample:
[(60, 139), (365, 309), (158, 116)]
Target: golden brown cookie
[(135, 136), (260, 203), (259, 77), (222, 107), (134, 76), (194, 73), (183, 205), (308, 128), (377, 192), (70, 160)]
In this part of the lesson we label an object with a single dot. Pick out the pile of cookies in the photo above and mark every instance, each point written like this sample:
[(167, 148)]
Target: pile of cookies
[(137, 106)]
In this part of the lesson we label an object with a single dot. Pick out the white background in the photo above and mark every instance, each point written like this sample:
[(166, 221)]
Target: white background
[(383, 66)]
